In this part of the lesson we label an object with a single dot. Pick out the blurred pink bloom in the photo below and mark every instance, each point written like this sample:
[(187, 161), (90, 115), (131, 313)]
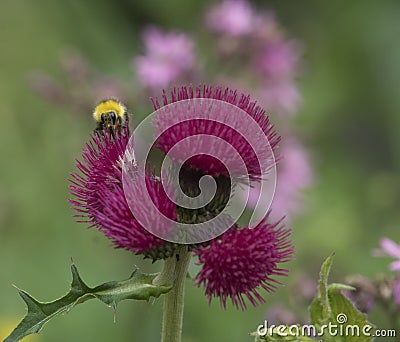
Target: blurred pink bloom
[(167, 56), (231, 17), (391, 249), (279, 60), (47, 87), (107, 87), (396, 291), (76, 66), (294, 175), (278, 314), (282, 97)]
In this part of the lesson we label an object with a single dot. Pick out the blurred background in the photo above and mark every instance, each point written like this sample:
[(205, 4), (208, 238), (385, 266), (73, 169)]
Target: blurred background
[(59, 58)]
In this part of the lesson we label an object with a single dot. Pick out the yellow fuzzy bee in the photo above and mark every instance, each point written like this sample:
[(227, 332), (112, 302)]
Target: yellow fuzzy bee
[(111, 115)]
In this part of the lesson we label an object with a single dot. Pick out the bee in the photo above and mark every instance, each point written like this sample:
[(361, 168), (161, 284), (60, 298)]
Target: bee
[(111, 115)]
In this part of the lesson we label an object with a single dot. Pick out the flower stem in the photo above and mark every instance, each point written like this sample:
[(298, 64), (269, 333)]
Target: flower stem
[(177, 265)]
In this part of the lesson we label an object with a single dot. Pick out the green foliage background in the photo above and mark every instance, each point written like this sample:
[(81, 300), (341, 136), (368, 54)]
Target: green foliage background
[(350, 120)]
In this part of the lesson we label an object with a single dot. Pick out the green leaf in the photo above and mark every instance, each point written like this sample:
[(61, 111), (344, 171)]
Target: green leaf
[(320, 309), (331, 308), (138, 286), (346, 315)]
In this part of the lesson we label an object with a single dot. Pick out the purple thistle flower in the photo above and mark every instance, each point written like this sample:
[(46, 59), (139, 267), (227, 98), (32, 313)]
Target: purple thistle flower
[(237, 264), (241, 261), (168, 55), (184, 124), (232, 18), (391, 249), (101, 201)]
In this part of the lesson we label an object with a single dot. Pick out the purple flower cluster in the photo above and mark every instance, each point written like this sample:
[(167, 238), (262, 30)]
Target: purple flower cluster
[(391, 249), (235, 265), (265, 53), (168, 56)]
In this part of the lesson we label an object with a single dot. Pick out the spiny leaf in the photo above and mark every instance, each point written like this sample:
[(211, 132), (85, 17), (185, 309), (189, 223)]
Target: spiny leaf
[(320, 308), (330, 306), (138, 286)]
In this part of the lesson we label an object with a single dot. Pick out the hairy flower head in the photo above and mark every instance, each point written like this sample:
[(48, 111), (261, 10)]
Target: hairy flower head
[(239, 263), (225, 126), (101, 201)]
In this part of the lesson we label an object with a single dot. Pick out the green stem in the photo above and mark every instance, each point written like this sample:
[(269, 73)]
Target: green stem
[(177, 266)]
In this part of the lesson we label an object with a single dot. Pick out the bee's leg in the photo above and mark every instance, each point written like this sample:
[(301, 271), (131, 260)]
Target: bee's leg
[(98, 129), (111, 133), (126, 123)]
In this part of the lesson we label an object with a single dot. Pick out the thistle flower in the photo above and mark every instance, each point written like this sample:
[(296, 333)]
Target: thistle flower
[(252, 137), (168, 55), (237, 264), (101, 201), (242, 261)]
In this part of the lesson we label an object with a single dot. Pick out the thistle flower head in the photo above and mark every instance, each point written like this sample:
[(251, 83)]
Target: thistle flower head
[(101, 201), (135, 212), (222, 128), (239, 263)]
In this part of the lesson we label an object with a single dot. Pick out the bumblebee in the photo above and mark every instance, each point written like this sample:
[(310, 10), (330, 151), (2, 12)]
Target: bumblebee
[(111, 115)]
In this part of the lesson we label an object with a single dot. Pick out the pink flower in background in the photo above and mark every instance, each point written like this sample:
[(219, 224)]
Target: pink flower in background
[(396, 291), (168, 55), (391, 249), (231, 17), (280, 97), (279, 60), (294, 175)]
